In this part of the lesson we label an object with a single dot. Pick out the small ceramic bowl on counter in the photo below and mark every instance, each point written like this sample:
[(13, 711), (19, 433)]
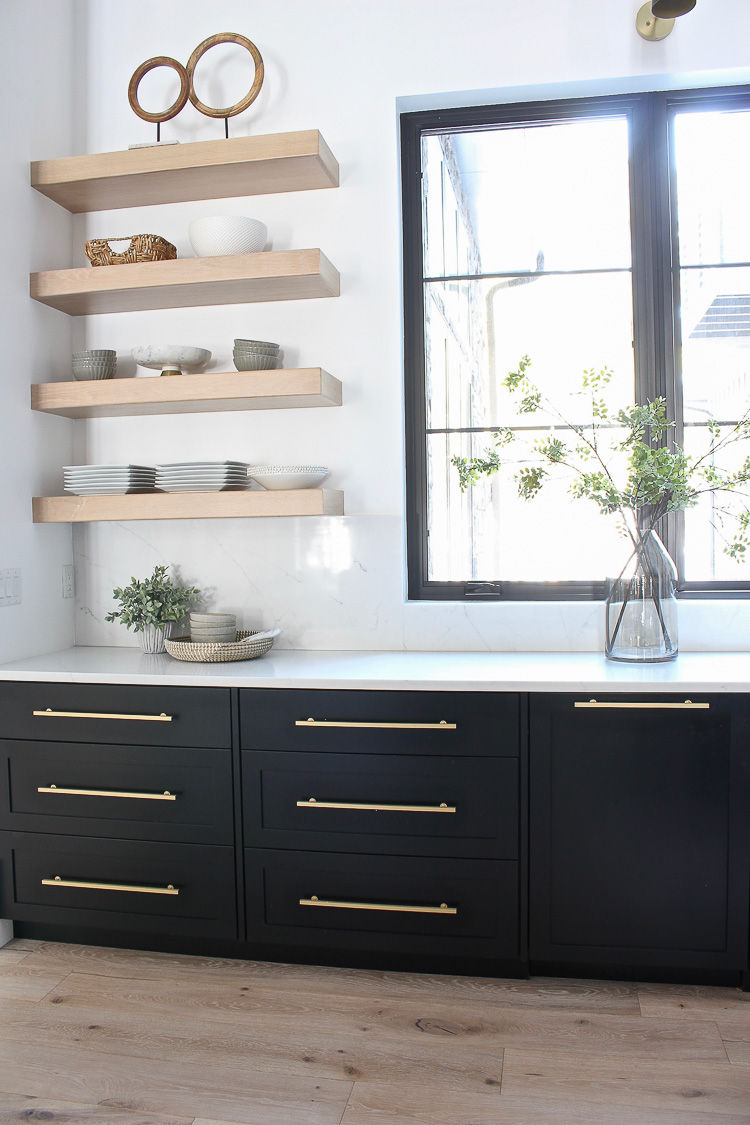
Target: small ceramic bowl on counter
[(213, 627)]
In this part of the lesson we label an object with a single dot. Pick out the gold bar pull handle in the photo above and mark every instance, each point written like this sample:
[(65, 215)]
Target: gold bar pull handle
[(442, 725), (682, 706), (165, 796), (314, 803), (50, 714), (337, 904), (80, 884)]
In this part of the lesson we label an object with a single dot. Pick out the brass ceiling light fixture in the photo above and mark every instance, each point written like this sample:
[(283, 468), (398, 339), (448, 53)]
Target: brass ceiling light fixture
[(656, 19)]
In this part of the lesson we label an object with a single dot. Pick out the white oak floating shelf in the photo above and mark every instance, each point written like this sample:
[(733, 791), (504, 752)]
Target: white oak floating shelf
[(189, 394), (233, 279), (178, 173), (188, 505)]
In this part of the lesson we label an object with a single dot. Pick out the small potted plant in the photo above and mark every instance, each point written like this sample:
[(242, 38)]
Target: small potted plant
[(151, 606)]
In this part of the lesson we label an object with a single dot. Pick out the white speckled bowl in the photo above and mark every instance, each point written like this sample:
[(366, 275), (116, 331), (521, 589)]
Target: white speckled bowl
[(226, 234), (170, 358), (287, 476)]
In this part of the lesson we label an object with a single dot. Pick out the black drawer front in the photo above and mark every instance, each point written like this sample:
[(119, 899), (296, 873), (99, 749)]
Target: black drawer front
[(137, 878), (483, 894), (453, 806), (412, 722), (146, 716), (134, 792)]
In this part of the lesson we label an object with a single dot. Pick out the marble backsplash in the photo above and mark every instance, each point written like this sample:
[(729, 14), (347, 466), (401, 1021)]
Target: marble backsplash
[(337, 583)]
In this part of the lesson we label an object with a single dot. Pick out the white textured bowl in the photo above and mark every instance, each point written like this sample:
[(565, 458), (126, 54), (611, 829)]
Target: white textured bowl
[(287, 476), (226, 234), (170, 357)]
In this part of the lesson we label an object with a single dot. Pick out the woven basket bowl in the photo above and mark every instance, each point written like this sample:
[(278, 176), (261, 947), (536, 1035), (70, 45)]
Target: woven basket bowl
[(142, 248), (182, 648)]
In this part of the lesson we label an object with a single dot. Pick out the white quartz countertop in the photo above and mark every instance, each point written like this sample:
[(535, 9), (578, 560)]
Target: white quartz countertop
[(410, 671)]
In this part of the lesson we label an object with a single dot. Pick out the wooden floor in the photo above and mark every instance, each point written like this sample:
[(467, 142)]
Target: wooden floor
[(114, 1037)]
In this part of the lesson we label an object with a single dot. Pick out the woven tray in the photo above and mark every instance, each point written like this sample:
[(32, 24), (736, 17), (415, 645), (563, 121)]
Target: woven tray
[(142, 248), (207, 652)]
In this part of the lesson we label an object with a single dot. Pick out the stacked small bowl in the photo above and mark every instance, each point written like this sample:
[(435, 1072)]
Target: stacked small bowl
[(213, 628), (99, 363), (255, 355)]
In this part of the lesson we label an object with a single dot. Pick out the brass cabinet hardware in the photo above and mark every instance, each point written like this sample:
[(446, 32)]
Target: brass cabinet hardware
[(165, 796), (80, 884), (442, 725), (315, 901), (49, 713), (314, 803), (687, 704)]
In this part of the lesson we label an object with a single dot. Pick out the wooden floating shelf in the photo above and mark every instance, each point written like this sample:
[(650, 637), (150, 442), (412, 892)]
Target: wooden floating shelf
[(189, 394), (188, 505), (177, 173), (234, 279)]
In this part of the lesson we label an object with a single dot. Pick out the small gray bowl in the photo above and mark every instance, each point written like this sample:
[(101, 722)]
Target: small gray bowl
[(256, 362), (86, 371)]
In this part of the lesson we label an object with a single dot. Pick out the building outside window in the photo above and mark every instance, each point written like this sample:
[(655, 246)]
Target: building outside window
[(594, 233)]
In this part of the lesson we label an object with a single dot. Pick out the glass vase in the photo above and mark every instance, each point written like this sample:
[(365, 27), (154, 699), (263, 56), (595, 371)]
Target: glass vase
[(151, 637), (641, 609)]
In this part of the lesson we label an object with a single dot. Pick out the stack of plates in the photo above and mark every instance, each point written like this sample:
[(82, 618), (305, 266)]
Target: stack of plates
[(201, 476), (108, 480)]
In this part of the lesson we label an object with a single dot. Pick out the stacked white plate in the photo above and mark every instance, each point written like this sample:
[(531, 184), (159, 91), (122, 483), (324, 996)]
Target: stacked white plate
[(201, 476), (108, 480)]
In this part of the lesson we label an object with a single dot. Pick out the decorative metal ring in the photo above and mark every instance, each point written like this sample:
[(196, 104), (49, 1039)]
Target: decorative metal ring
[(142, 70), (200, 50)]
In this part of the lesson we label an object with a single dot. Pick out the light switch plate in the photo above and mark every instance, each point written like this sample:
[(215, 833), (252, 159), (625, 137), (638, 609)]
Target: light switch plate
[(10, 586), (68, 581)]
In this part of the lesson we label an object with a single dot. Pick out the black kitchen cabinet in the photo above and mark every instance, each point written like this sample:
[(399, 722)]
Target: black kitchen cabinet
[(173, 889), (639, 831), (374, 722), (429, 907), (133, 792), (488, 832), (127, 714), (398, 804), (117, 809), (385, 823)]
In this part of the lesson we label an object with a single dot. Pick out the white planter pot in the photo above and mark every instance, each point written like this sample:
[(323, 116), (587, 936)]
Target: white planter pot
[(151, 637)]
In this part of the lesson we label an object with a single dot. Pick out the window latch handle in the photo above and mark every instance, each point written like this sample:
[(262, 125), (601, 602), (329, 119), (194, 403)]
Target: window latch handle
[(484, 589)]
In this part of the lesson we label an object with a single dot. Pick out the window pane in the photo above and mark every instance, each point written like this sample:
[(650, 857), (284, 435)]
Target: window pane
[(522, 198), (477, 331), (490, 534), (716, 384), (710, 526), (712, 160), (712, 166)]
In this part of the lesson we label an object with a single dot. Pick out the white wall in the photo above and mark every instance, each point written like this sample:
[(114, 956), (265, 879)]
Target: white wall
[(36, 92), (344, 67)]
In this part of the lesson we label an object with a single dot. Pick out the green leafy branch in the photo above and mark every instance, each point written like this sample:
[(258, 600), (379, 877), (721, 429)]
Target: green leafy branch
[(659, 477)]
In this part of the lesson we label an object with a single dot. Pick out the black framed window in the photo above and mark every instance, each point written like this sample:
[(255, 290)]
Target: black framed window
[(590, 233)]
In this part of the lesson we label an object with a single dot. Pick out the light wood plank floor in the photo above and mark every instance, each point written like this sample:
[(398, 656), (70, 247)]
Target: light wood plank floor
[(119, 1037)]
